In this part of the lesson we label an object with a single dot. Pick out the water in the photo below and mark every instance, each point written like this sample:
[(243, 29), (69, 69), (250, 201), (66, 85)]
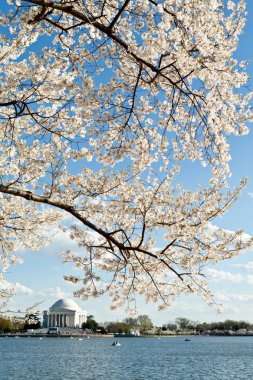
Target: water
[(203, 358)]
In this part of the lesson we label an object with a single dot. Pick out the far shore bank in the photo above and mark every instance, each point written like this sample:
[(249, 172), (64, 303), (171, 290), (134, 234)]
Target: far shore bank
[(74, 336), (91, 336)]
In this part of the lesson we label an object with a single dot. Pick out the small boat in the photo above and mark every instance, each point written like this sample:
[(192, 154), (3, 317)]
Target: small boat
[(187, 340), (80, 338), (116, 344)]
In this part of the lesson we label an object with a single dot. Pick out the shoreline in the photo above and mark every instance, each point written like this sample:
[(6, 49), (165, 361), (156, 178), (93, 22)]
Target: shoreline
[(78, 336), (97, 336)]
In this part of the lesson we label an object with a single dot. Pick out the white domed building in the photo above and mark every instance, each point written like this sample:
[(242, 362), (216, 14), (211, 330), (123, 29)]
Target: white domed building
[(64, 313)]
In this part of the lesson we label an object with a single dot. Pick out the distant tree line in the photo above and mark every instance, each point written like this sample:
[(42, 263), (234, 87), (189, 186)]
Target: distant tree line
[(17, 324), (227, 325), (8, 325), (142, 324), (185, 324)]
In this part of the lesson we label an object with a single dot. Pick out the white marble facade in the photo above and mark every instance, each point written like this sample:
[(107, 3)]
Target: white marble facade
[(64, 313)]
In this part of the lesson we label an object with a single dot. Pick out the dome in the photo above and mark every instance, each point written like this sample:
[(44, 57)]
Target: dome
[(65, 304)]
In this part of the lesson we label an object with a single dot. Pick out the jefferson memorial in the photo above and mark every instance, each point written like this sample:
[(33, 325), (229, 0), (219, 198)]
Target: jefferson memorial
[(64, 313)]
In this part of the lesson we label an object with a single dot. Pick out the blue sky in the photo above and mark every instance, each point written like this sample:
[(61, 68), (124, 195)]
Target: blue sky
[(40, 277)]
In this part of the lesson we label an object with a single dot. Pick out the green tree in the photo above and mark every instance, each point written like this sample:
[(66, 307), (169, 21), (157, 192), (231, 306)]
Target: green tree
[(118, 327), (131, 322), (144, 323), (32, 321), (90, 324), (185, 324), (102, 330), (202, 327), (5, 325), (169, 326)]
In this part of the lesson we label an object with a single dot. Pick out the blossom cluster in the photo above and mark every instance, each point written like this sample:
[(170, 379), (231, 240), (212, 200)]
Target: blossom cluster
[(100, 104)]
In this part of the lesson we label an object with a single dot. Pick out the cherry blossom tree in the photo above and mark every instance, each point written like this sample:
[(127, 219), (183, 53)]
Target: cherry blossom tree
[(101, 103)]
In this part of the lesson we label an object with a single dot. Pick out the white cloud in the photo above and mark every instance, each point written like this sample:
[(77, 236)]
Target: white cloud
[(23, 290), (56, 293), (249, 279), (244, 237), (19, 288), (60, 242), (248, 266), (229, 308), (242, 297), (222, 296), (220, 275), (215, 275)]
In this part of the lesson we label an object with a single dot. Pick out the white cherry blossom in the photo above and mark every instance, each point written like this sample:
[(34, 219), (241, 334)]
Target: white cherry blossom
[(100, 104)]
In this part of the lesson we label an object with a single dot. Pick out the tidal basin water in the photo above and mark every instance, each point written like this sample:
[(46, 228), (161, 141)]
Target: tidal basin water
[(202, 358)]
